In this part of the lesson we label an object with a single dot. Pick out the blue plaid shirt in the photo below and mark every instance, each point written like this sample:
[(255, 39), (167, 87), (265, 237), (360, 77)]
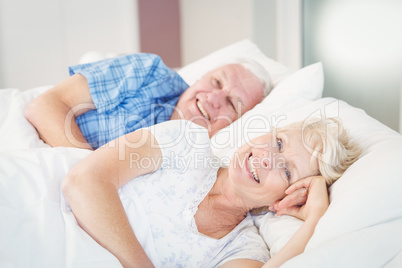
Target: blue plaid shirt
[(129, 92)]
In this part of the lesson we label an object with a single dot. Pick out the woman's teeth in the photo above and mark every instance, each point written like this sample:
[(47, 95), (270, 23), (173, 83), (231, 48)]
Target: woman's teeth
[(204, 113), (252, 170)]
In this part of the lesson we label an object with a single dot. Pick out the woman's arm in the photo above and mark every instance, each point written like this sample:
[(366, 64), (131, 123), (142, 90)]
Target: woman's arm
[(241, 263), (315, 207), (91, 188), (53, 113)]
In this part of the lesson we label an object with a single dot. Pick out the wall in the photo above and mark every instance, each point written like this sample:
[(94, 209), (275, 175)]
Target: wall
[(289, 33), (39, 39), (265, 26), (359, 41), (208, 25), (360, 45), (159, 23)]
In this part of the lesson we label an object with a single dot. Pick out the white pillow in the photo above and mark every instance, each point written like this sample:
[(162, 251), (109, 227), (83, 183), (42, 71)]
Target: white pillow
[(366, 209), (16, 132), (243, 49), (305, 84)]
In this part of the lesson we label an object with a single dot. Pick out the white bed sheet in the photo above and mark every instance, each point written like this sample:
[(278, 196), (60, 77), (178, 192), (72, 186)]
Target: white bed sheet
[(35, 230), (362, 227)]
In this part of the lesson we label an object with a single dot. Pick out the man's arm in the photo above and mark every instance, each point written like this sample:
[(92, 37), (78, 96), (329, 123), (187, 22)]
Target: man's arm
[(91, 188), (53, 113)]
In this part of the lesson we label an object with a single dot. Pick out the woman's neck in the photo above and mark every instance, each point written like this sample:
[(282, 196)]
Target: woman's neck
[(220, 211), (222, 195)]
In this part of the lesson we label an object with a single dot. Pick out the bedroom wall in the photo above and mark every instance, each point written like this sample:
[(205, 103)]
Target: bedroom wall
[(360, 45), (208, 25), (39, 39), (159, 23)]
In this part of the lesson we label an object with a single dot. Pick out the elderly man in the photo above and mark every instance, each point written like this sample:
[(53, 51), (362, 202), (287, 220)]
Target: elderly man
[(104, 100)]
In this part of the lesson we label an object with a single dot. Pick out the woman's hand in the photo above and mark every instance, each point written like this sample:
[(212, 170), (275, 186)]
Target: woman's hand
[(316, 205), (296, 198), (317, 199)]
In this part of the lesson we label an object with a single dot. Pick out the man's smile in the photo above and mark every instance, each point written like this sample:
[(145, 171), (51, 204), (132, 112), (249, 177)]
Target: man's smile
[(202, 110)]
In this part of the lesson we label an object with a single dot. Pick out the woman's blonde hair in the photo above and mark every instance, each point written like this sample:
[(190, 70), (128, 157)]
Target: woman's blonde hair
[(327, 140)]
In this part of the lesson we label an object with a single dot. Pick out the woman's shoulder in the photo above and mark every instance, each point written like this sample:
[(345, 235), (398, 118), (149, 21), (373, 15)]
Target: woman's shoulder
[(180, 133), (181, 127)]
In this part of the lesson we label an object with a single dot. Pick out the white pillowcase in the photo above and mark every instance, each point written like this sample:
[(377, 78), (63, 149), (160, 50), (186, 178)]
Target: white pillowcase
[(302, 85), (16, 132), (363, 200), (305, 84), (242, 49)]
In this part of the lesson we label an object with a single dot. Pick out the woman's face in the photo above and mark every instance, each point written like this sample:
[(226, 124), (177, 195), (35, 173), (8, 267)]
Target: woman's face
[(262, 169)]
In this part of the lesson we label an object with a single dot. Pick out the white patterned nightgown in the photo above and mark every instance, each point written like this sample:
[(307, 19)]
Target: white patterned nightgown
[(161, 206)]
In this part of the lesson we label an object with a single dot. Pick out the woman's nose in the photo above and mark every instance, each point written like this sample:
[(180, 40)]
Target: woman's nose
[(267, 160)]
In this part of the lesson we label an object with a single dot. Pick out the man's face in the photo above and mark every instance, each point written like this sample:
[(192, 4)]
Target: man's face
[(220, 97)]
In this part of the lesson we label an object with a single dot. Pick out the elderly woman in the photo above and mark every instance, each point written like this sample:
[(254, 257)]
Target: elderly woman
[(155, 198)]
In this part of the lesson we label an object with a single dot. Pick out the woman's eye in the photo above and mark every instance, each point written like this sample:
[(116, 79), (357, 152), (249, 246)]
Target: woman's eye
[(279, 144), (288, 175)]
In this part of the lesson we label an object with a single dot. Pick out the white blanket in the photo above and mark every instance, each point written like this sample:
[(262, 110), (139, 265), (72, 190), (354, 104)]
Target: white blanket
[(362, 228), (35, 230), (363, 224)]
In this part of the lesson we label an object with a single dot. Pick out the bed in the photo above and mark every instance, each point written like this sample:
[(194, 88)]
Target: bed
[(362, 227)]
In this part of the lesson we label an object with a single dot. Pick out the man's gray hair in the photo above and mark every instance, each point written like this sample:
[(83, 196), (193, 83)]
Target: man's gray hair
[(254, 67)]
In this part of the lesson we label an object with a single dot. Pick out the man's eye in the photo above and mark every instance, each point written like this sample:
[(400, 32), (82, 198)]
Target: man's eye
[(279, 144), (218, 83), (231, 103)]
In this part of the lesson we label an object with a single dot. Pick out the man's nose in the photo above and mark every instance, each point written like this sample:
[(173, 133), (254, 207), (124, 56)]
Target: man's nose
[(217, 97)]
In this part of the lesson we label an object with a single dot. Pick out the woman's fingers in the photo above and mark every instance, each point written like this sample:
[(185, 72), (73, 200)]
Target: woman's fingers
[(296, 198), (303, 183), (316, 199), (292, 211), (318, 195), (296, 195)]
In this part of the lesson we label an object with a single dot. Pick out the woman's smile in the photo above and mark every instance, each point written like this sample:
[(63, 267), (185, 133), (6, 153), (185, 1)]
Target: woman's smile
[(251, 171)]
